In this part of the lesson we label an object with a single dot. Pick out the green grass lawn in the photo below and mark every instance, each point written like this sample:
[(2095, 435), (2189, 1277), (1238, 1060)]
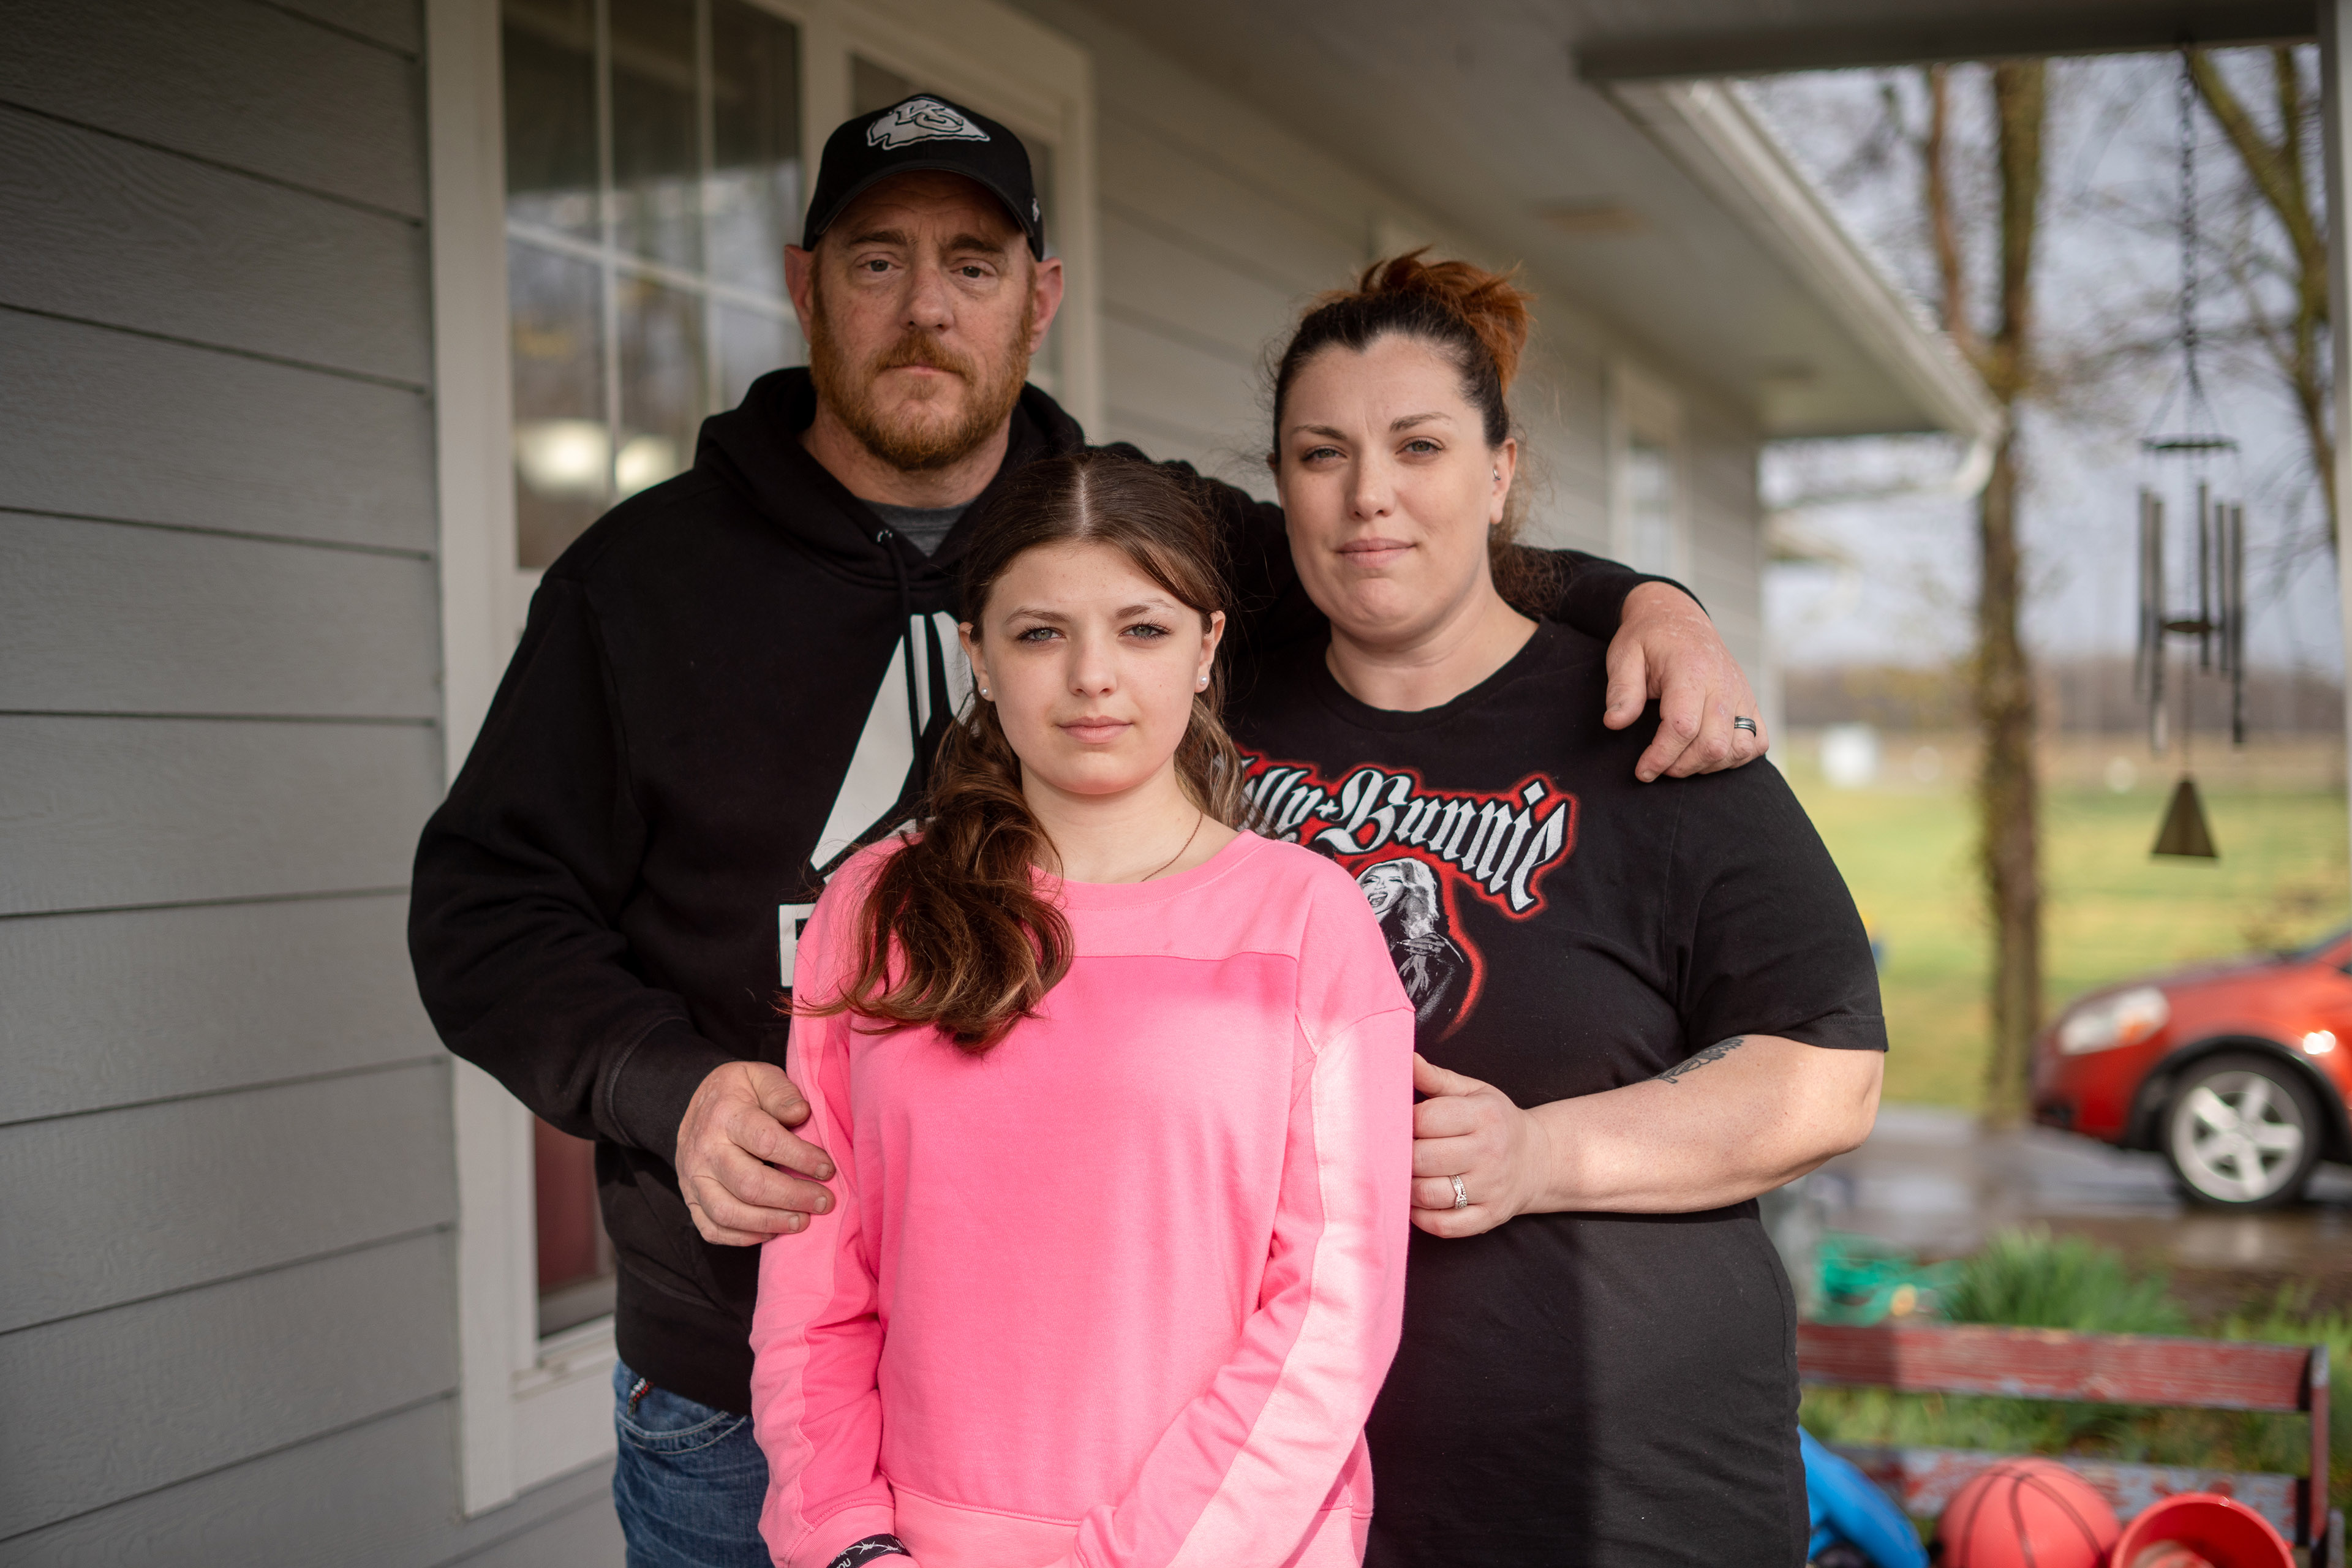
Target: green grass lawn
[(2111, 910)]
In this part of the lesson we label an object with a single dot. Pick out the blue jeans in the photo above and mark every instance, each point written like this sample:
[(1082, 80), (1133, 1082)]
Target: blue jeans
[(689, 1480)]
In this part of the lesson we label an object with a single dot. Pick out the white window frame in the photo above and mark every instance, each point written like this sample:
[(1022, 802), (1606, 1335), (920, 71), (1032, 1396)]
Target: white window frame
[(1644, 407), (532, 1408)]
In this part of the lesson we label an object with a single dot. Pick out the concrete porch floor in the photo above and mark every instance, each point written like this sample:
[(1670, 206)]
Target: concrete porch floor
[(1931, 1180)]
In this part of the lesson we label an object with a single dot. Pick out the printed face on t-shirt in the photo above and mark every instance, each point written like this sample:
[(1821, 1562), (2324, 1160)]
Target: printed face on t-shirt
[(1417, 852)]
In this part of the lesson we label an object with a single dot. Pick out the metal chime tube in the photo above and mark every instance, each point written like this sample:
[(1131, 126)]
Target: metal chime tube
[(2204, 577), (2234, 648), (2157, 616)]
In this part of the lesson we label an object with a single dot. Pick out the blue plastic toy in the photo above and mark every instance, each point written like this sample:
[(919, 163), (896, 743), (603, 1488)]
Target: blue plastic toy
[(1847, 1507)]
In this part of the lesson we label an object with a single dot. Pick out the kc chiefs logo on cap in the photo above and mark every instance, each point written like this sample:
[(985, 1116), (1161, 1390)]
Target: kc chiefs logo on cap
[(920, 120)]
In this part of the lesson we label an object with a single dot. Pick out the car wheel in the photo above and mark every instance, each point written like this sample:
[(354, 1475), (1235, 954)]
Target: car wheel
[(2242, 1132)]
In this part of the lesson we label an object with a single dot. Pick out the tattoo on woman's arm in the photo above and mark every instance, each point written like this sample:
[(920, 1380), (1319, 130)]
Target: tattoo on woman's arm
[(1716, 1052)]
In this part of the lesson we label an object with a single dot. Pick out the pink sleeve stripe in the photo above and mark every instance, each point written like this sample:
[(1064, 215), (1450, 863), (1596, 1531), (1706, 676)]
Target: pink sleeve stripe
[(1315, 1413)]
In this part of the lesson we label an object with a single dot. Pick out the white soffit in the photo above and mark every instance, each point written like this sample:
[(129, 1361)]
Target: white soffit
[(1656, 236), (1711, 131)]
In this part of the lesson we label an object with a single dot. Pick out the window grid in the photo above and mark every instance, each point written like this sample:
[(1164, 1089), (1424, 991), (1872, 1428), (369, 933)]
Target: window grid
[(630, 216)]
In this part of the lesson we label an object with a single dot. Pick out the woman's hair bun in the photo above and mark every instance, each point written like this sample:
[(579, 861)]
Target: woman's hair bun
[(1490, 303)]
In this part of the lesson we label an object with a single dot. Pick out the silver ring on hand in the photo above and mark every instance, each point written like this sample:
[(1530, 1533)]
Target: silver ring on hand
[(1747, 724), (1461, 1193)]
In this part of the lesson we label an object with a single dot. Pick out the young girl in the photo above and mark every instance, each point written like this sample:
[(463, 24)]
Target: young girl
[(1120, 1102)]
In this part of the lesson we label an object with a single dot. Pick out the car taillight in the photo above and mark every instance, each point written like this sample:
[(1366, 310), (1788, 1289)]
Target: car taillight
[(2125, 1018)]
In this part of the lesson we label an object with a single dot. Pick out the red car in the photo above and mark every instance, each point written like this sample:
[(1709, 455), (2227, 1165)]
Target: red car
[(2237, 1073)]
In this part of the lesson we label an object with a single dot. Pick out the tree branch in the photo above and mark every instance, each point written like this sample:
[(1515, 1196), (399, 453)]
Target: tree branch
[(2020, 90), (1943, 226)]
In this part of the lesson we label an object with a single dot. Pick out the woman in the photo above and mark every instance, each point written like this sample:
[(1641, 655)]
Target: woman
[(1152, 1332), (1657, 999)]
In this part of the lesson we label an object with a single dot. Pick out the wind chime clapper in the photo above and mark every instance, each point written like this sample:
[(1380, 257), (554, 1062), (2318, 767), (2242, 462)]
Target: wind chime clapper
[(2217, 626)]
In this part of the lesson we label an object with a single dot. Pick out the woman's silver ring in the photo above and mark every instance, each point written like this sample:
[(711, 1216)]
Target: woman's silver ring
[(1461, 1193), (1747, 724)]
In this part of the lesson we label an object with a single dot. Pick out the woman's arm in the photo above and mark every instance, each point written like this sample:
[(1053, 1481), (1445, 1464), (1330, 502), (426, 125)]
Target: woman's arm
[(1238, 1478), (816, 1336), (1769, 961), (1739, 1118)]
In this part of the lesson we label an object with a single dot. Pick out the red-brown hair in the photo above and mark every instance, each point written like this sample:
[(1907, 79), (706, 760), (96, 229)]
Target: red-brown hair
[(954, 932)]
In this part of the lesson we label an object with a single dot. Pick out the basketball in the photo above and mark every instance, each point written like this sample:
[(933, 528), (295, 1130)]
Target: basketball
[(2028, 1513)]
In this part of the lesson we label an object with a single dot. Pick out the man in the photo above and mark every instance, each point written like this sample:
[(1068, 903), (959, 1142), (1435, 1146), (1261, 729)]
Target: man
[(734, 678)]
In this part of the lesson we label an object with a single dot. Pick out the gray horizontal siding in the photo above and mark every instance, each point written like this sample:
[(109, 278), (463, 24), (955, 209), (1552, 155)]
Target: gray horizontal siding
[(98, 423), (587, 1536), (115, 1009), (111, 813), (1153, 268), (106, 230), (97, 617), (1151, 374), (1259, 227), (125, 1205), (379, 1495), (227, 80), (397, 24), (227, 1313), (120, 1402)]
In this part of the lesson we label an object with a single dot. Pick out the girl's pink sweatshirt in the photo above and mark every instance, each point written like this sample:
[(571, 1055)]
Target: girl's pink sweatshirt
[(1120, 1292)]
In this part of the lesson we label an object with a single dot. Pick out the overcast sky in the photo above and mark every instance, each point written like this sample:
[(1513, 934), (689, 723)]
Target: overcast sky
[(2109, 272)]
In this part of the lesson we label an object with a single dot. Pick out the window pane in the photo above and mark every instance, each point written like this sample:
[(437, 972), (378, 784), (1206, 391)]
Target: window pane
[(551, 114), (755, 109), (656, 136), (1649, 499), (661, 384), (563, 454), (575, 1255), (751, 344)]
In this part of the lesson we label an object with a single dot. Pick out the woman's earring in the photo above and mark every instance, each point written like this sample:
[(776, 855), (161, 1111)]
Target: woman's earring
[(983, 693), (1202, 684)]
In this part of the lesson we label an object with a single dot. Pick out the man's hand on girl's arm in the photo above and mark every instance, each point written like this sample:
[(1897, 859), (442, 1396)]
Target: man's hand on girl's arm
[(1739, 1118), (735, 1153), (1666, 648)]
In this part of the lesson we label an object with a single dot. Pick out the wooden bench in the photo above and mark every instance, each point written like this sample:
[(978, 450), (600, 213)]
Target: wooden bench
[(2094, 1369)]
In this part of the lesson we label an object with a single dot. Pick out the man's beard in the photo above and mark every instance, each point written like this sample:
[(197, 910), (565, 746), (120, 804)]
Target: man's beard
[(914, 445)]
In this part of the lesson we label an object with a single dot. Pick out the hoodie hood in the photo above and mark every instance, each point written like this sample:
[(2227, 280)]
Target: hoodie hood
[(755, 447)]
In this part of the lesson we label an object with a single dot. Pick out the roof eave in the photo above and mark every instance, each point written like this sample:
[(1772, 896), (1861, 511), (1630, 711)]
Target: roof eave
[(1711, 131)]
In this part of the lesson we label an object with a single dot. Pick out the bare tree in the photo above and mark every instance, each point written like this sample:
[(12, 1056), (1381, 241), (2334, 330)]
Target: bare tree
[(2007, 791), (2275, 165)]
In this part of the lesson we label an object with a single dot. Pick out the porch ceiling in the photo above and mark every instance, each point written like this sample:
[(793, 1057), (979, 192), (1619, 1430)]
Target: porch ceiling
[(1493, 118), (1626, 39)]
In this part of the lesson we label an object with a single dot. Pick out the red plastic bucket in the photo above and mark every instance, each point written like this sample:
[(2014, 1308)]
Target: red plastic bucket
[(2222, 1530)]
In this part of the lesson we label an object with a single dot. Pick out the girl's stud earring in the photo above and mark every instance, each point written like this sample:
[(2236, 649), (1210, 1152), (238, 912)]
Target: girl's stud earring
[(983, 693)]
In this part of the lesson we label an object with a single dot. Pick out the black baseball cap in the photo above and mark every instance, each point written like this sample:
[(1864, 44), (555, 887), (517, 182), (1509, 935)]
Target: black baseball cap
[(924, 132)]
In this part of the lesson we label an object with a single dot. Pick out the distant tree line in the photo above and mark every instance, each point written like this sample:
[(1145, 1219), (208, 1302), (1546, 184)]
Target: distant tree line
[(2090, 695)]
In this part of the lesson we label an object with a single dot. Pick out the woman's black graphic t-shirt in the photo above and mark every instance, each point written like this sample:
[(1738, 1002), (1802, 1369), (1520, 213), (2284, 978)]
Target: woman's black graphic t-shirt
[(1576, 1388)]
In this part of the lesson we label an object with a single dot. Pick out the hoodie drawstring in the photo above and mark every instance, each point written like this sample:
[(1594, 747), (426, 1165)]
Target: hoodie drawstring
[(907, 638)]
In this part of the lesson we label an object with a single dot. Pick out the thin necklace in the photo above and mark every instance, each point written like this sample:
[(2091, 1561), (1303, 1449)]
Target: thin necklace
[(1198, 818)]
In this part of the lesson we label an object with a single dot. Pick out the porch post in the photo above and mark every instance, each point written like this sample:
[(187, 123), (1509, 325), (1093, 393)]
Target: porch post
[(2335, 133)]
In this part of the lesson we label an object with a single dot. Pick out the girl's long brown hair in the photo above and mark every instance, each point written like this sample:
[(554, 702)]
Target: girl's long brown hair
[(954, 932)]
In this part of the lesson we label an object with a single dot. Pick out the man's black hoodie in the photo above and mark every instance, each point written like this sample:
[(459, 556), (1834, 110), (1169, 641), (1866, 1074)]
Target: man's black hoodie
[(712, 701)]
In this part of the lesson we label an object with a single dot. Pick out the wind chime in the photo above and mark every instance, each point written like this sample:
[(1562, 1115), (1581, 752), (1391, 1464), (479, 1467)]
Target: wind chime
[(2183, 478)]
